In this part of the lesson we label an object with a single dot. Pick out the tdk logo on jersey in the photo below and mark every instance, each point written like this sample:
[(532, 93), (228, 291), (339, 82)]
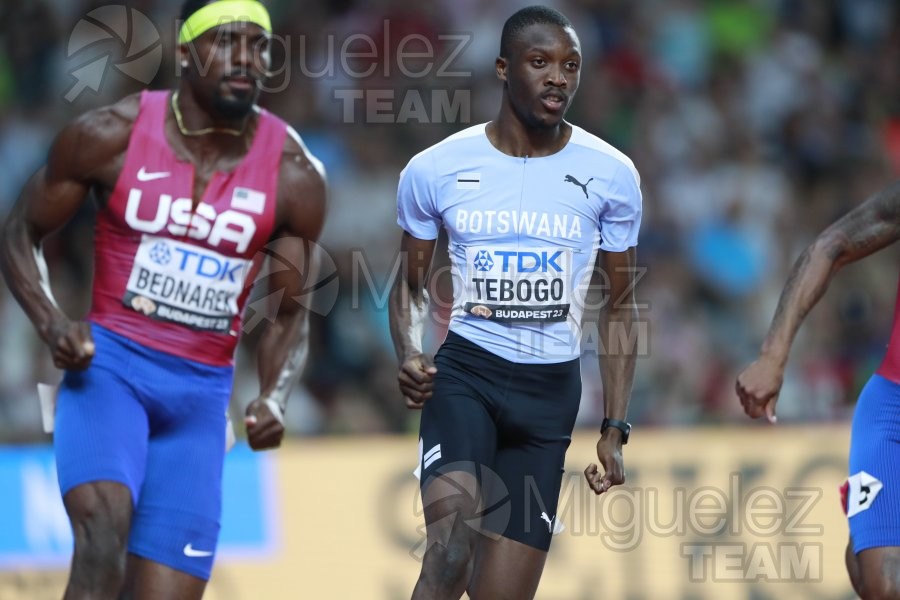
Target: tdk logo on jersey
[(203, 223), (524, 261), (483, 261)]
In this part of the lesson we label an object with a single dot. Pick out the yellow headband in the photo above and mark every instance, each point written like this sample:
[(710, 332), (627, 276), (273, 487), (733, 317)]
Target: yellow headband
[(222, 12)]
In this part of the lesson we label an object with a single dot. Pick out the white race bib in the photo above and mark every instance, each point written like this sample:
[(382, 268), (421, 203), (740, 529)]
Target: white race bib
[(185, 284), (513, 285), (863, 490)]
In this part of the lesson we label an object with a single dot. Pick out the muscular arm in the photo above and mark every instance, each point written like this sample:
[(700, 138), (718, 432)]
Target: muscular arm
[(618, 316), (83, 155), (868, 228), (408, 311), (284, 344), (864, 230)]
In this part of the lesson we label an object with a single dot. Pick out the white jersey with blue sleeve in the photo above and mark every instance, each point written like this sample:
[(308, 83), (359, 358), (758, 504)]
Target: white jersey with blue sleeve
[(523, 234)]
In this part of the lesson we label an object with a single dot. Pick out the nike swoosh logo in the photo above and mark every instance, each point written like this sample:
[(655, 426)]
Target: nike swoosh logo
[(190, 552), (144, 175)]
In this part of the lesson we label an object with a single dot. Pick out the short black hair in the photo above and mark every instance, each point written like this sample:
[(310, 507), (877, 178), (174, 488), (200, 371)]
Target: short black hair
[(525, 18)]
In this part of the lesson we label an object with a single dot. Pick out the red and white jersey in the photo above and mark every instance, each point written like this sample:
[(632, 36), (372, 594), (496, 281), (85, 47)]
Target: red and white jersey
[(890, 365), (171, 276)]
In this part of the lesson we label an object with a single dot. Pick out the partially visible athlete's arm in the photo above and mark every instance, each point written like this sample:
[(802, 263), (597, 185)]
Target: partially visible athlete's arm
[(864, 230), (80, 157), (408, 312), (871, 226), (616, 365), (284, 344)]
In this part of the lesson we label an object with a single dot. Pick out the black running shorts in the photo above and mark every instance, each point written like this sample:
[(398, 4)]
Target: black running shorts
[(507, 423)]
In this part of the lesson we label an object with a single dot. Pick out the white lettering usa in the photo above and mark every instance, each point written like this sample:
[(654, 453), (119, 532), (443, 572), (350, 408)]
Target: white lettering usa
[(202, 224)]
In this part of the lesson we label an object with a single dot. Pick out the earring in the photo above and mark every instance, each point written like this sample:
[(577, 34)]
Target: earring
[(184, 64)]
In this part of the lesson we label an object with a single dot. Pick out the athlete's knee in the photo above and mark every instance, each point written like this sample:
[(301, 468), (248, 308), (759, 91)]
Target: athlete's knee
[(451, 562), (99, 548), (100, 522), (451, 551)]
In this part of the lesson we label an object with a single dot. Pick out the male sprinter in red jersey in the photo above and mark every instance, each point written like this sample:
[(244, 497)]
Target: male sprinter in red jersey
[(529, 202), (872, 492), (191, 186)]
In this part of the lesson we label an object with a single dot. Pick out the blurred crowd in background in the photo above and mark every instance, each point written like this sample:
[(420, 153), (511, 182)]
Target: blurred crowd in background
[(753, 125)]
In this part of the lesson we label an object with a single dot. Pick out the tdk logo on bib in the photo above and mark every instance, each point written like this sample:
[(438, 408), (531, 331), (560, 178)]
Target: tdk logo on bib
[(160, 253), (178, 282), (519, 285), (209, 265), (483, 261), (530, 262)]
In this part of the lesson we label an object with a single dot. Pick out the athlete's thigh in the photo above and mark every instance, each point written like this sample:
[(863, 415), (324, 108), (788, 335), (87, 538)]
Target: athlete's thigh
[(495, 559), (177, 521), (101, 427), (149, 580), (532, 477), (873, 495), (535, 434), (457, 433)]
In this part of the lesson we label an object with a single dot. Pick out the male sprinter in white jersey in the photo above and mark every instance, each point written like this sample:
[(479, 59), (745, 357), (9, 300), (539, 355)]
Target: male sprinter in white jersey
[(871, 494), (192, 185), (528, 200)]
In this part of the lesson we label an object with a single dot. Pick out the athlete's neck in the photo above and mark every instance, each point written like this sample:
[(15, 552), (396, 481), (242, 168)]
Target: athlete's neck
[(510, 135), (194, 119)]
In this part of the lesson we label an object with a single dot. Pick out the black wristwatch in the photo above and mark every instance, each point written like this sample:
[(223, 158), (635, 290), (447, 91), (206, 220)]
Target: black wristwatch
[(622, 426)]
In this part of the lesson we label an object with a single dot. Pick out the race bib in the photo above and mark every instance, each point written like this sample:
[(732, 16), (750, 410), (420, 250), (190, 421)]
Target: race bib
[(862, 491), (185, 284), (518, 285)]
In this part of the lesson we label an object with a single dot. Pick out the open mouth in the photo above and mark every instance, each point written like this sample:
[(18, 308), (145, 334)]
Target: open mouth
[(553, 101)]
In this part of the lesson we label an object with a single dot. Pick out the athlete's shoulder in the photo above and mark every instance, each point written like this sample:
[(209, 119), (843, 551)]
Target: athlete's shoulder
[(108, 123), (297, 159), (603, 149), (302, 190), (94, 138), (462, 143)]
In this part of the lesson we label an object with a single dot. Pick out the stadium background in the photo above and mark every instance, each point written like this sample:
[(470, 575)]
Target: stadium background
[(753, 125)]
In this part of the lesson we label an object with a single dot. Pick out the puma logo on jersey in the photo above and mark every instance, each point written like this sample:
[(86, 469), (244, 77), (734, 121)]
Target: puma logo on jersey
[(204, 223), (583, 186)]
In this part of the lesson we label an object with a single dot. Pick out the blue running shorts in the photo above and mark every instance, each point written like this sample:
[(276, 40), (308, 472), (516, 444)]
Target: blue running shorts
[(873, 488), (155, 423)]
